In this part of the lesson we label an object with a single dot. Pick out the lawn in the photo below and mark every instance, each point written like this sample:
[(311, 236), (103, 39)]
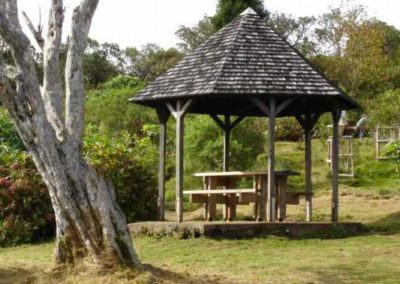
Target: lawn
[(373, 257)]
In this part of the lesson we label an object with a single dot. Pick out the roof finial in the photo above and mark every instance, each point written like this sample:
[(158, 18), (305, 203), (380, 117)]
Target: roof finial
[(248, 11)]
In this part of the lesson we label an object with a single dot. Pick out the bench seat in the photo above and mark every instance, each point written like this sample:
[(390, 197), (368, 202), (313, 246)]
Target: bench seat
[(220, 191)]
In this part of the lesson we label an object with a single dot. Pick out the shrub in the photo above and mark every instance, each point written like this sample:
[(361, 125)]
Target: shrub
[(110, 110), (392, 151), (121, 82), (288, 129), (8, 135), (129, 170), (26, 214), (385, 109)]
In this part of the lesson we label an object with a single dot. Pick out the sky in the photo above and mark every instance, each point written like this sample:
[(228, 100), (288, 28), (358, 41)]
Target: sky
[(137, 22)]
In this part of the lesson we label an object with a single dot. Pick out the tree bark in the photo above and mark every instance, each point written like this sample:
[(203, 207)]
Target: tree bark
[(89, 221)]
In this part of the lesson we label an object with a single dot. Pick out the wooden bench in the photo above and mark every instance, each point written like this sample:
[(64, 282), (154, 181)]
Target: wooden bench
[(240, 196)]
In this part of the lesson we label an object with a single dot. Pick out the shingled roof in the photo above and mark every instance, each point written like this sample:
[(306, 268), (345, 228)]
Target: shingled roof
[(245, 58)]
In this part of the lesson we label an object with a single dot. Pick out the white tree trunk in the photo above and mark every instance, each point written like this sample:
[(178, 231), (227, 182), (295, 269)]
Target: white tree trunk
[(89, 221)]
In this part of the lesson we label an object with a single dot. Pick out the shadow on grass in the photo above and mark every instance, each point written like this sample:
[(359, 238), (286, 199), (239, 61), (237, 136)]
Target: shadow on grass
[(389, 225), (355, 273), (174, 277), (16, 275)]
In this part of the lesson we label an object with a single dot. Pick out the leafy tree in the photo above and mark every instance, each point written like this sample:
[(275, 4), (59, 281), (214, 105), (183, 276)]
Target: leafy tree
[(368, 62), (384, 108), (333, 27), (101, 62), (192, 37), (227, 10), (150, 61), (297, 31)]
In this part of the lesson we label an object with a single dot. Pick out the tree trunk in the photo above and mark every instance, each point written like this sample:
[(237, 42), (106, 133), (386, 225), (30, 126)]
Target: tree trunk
[(89, 221)]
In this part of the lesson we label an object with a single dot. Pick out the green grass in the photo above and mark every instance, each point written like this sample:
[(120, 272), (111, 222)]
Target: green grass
[(372, 258), (359, 259)]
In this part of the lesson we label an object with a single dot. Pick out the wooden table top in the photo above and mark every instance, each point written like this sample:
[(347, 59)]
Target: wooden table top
[(245, 174)]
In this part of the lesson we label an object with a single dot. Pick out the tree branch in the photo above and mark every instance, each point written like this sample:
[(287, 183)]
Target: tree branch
[(53, 94), (74, 80), (27, 84), (37, 34)]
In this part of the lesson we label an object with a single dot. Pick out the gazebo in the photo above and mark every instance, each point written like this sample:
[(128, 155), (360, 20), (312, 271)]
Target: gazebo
[(246, 69)]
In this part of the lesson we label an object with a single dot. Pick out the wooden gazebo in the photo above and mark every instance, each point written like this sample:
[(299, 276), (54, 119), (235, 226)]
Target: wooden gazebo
[(245, 69)]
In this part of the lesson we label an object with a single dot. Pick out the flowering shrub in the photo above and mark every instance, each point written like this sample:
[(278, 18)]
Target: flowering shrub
[(26, 214)]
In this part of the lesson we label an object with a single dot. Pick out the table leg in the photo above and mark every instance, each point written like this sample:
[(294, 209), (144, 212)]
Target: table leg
[(231, 198), (281, 182), (263, 212), (212, 199), (257, 197), (205, 187)]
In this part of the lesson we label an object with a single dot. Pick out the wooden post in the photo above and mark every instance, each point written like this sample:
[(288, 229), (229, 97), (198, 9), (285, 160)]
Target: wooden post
[(308, 168), (271, 161), (163, 116), (227, 213), (308, 121), (179, 114), (271, 111), (335, 165), (227, 133), (179, 164)]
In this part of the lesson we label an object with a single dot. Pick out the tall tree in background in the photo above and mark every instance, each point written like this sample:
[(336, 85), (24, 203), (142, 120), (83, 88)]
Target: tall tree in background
[(51, 124), (150, 61), (227, 10), (192, 37), (297, 31)]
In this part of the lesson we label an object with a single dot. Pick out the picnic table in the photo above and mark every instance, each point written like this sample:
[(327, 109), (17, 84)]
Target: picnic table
[(222, 188)]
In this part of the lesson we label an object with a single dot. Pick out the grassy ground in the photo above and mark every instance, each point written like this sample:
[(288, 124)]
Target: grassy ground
[(373, 197)]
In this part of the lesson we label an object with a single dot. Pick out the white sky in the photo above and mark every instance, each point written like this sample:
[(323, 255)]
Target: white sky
[(137, 22)]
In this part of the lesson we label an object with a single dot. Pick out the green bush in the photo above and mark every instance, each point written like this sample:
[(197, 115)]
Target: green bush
[(121, 82), (9, 138), (111, 112), (288, 129), (385, 108), (129, 169), (392, 151)]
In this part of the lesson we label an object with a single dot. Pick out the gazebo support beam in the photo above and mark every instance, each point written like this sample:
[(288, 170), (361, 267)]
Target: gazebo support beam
[(272, 111), (227, 135), (179, 114), (271, 165), (308, 122), (227, 127), (335, 164), (163, 116)]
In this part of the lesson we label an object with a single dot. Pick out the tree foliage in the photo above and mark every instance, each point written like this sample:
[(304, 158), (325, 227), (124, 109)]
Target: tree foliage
[(150, 61), (227, 10), (192, 37)]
